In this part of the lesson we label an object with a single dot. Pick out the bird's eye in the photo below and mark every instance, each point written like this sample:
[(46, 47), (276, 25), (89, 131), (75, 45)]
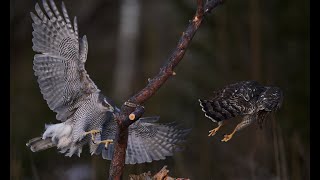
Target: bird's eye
[(105, 103)]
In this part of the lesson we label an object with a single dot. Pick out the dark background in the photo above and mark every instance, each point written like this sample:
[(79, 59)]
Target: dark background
[(267, 41)]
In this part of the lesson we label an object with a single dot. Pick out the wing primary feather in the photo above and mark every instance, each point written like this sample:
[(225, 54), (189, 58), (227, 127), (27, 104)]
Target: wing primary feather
[(60, 24), (48, 10), (83, 50), (55, 9), (41, 15), (150, 119), (66, 17), (75, 25)]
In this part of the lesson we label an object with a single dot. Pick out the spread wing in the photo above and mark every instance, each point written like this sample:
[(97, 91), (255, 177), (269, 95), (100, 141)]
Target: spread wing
[(234, 100), (59, 67), (147, 141)]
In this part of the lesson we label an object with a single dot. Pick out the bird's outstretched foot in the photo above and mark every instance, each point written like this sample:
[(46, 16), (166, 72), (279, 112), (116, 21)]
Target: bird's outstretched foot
[(227, 137), (213, 131), (106, 142), (92, 133)]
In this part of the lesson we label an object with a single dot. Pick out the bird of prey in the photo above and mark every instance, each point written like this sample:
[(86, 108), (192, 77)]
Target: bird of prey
[(86, 116), (247, 99)]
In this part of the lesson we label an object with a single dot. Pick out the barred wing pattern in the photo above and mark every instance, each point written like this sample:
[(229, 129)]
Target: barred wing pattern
[(147, 141), (234, 100), (78, 102), (248, 99), (62, 77)]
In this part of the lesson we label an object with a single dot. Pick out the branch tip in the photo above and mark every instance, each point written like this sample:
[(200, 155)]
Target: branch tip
[(212, 4), (132, 116)]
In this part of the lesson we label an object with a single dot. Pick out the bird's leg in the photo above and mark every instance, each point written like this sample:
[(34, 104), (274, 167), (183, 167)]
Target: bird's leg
[(106, 142), (92, 133), (244, 123), (213, 131)]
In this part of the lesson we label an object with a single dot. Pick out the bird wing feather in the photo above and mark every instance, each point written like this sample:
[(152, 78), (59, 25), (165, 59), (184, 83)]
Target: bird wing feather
[(147, 140), (59, 67), (233, 100)]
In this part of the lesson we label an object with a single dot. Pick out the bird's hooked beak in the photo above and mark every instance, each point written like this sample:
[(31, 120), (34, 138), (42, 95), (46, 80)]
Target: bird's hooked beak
[(111, 109)]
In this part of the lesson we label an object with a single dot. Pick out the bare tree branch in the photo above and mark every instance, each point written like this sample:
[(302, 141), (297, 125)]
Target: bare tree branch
[(135, 102), (163, 174)]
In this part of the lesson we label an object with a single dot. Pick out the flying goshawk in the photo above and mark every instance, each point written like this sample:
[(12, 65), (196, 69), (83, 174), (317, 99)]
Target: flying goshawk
[(86, 115), (249, 99)]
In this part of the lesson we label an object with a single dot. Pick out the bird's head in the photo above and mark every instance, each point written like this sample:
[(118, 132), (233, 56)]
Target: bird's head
[(271, 99), (107, 103)]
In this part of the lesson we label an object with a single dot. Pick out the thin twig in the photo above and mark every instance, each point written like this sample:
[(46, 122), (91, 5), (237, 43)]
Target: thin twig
[(118, 161)]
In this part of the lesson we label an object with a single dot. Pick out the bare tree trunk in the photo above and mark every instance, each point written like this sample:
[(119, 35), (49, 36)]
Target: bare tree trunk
[(126, 50), (279, 151), (255, 55), (283, 159), (255, 39), (276, 149), (295, 158)]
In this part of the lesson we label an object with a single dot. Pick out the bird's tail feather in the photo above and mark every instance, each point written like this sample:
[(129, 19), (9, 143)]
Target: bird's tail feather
[(39, 144)]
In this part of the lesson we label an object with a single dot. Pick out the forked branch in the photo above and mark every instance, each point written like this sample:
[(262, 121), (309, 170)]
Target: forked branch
[(133, 105)]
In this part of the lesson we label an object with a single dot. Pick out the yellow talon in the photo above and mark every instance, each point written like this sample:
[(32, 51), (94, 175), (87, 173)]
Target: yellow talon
[(92, 133), (106, 142), (227, 137), (213, 131)]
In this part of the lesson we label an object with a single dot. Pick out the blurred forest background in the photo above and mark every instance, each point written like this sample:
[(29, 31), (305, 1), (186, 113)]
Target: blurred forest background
[(129, 40)]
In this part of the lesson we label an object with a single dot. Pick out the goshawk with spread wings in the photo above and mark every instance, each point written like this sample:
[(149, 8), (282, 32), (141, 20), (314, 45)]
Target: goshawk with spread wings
[(86, 115)]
